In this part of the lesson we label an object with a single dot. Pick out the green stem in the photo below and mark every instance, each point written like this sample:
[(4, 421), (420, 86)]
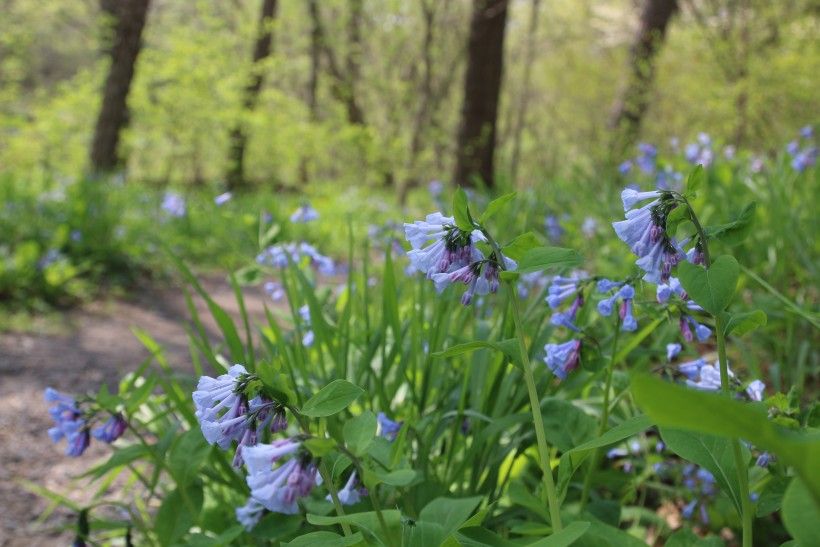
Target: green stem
[(538, 420), (746, 514), (593, 461), (327, 478)]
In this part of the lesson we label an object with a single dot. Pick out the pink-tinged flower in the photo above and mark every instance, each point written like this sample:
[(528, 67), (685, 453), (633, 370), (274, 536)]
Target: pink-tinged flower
[(563, 358), (439, 246), (111, 430), (69, 422), (278, 489), (249, 514)]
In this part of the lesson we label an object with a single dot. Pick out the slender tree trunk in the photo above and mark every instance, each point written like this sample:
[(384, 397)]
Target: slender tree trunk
[(524, 101), (631, 106), (313, 79), (129, 17), (342, 83), (482, 87), (235, 176)]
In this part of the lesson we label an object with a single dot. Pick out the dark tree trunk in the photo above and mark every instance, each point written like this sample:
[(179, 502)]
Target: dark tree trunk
[(129, 17), (313, 80), (236, 169), (631, 106), (482, 87)]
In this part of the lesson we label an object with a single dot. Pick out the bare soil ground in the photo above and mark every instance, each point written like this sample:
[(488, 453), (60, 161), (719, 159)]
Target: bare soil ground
[(92, 345)]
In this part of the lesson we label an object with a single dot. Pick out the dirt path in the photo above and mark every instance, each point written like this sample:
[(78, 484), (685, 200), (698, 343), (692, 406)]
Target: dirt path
[(94, 345)]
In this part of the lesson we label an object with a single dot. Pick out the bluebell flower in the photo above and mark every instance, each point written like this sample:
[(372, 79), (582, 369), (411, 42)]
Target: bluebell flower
[(282, 254), (567, 318), (387, 427), (804, 159), (647, 154), (691, 369), (631, 197), (554, 229), (691, 152), (561, 289), (111, 430), (617, 452), (278, 489), (274, 290), (308, 338), (755, 390), (672, 351), (439, 246), (708, 378), (249, 514), (222, 408), (350, 494), (606, 285), (687, 323), (625, 167), (304, 214), (69, 422), (628, 322), (173, 204), (729, 152), (529, 281), (222, 199), (704, 139), (764, 459), (807, 131), (435, 187), (589, 227), (793, 148), (563, 358)]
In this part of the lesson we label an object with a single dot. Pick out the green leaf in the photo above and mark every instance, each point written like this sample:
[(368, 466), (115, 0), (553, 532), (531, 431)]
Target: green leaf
[(674, 218), (187, 456), (565, 537), (326, 539), (712, 453), (249, 275), (367, 522), (481, 537), (400, 477), (741, 323), (449, 513), (495, 206), (461, 211), (178, 512), (671, 405), (734, 232), (516, 248), (508, 347), (687, 538), (801, 514), (543, 258), (120, 457), (695, 180), (359, 432), (771, 498), (319, 447), (331, 399), (566, 425), (601, 535), (712, 288)]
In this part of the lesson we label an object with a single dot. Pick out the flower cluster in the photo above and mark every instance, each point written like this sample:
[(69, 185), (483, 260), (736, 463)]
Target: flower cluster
[(664, 177), (625, 294), (173, 204), (563, 358), (446, 254), (281, 254), (223, 198), (560, 290), (701, 483), (700, 152), (802, 152), (304, 214), (644, 230), (74, 424)]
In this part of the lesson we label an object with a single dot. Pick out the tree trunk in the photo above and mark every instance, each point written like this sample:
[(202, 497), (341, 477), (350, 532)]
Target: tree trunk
[(236, 169), (313, 79), (529, 59), (634, 100), (482, 87), (129, 17)]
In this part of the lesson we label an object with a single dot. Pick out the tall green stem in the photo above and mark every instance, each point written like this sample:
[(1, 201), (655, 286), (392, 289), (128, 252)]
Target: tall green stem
[(538, 420), (742, 474), (593, 461)]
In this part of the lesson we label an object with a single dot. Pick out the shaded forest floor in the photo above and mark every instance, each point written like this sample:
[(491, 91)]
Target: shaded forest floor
[(90, 345)]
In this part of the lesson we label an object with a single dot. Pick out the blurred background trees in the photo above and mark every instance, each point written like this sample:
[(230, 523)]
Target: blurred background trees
[(392, 92)]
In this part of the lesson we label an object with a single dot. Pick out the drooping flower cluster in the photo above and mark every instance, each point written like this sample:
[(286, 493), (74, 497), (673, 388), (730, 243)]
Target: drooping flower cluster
[(173, 204), (308, 337), (563, 358), (226, 414), (387, 427), (560, 290), (663, 176), (700, 152), (74, 423), (802, 152), (701, 484), (644, 230), (446, 254), (625, 293), (276, 483), (304, 214), (281, 254), (554, 230)]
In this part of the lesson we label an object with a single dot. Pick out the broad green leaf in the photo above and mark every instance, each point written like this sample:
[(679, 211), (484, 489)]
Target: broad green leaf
[(517, 248), (601, 535), (326, 539), (400, 477), (568, 536), (461, 211), (566, 425), (187, 455), (771, 498), (741, 323), (712, 288), (712, 453), (801, 514), (687, 538), (367, 522), (331, 399), (178, 512), (495, 206), (421, 534), (481, 537), (359, 432), (676, 406), (734, 232), (508, 347), (695, 180), (449, 513), (319, 447), (543, 258)]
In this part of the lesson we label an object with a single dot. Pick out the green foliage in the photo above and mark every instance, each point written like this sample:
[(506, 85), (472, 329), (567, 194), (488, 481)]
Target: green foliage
[(713, 287)]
